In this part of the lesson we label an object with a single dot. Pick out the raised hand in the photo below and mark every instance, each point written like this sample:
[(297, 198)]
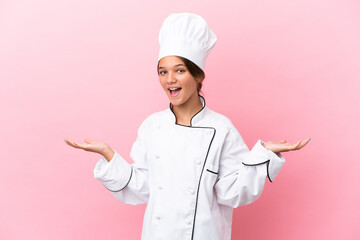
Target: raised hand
[(283, 146), (93, 146)]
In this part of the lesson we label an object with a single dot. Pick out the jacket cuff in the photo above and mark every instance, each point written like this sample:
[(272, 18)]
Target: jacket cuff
[(114, 175), (260, 155)]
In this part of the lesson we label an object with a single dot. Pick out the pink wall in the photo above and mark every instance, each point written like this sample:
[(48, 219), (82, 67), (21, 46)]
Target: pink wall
[(78, 69)]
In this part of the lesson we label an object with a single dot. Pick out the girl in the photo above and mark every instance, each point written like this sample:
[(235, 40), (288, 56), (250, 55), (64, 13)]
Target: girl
[(191, 165)]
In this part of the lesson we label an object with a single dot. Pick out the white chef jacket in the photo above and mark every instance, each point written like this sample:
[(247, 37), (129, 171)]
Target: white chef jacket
[(191, 177)]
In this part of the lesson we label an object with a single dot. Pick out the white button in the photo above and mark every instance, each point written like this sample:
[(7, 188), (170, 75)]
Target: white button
[(159, 126), (189, 222), (158, 217), (192, 191), (159, 187), (157, 156), (209, 132), (198, 161)]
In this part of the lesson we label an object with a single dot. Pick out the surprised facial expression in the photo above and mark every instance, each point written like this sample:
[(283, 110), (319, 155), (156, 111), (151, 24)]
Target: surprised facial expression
[(176, 80)]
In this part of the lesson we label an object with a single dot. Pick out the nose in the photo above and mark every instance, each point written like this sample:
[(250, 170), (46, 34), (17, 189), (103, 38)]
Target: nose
[(171, 78)]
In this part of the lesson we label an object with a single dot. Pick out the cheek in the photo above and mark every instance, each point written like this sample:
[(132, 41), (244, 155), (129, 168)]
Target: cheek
[(190, 82), (193, 84)]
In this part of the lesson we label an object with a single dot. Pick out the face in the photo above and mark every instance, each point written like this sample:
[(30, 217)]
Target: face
[(177, 82)]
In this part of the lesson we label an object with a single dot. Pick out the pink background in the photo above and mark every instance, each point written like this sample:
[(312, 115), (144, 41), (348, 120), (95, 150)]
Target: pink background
[(87, 69)]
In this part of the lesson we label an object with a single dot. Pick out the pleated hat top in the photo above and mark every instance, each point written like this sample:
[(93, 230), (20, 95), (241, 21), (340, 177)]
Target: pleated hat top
[(186, 35)]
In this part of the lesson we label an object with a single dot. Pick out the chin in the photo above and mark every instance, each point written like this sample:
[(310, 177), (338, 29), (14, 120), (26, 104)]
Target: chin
[(176, 102)]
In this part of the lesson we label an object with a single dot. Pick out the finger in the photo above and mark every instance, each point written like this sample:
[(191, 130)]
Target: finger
[(303, 143), (68, 142), (75, 145), (282, 141), (295, 146)]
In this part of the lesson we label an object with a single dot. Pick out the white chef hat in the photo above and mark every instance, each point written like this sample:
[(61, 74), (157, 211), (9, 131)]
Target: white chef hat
[(186, 35)]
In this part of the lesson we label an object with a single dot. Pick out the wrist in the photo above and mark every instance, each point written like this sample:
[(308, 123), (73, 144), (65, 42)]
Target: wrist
[(108, 154)]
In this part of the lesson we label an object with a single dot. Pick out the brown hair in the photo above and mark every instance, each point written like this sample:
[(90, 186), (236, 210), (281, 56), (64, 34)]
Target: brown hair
[(194, 70)]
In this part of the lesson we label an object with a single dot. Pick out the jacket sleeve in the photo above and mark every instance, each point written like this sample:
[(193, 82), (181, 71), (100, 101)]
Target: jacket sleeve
[(243, 173), (127, 182)]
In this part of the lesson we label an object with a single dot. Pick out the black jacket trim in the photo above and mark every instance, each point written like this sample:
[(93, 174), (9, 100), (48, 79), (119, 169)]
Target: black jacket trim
[(267, 167), (192, 116), (202, 171), (125, 184), (211, 171)]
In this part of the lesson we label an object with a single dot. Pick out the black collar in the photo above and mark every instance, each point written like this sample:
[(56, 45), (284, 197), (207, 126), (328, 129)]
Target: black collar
[(194, 119)]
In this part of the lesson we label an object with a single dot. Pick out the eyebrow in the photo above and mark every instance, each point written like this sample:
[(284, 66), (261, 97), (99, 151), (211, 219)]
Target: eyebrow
[(180, 64)]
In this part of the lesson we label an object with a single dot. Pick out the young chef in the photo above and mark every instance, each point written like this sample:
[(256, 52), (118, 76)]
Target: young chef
[(191, 165)]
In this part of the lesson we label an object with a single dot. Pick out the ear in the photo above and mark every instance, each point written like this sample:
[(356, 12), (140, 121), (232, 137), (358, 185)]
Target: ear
[(199, 83), (199, 80)]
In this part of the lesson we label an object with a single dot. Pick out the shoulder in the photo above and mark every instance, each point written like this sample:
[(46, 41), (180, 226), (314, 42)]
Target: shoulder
[(224, 127), (155, 119), (218, 120), (150, 123)]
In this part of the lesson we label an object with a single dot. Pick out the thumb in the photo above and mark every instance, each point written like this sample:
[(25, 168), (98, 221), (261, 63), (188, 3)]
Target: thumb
[(282, 141), (89, 141)]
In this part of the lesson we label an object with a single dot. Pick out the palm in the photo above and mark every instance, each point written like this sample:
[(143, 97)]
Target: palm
[(89, 145), (283, 146)]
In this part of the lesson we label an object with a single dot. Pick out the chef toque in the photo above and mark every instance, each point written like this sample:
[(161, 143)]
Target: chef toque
[(186, 35)]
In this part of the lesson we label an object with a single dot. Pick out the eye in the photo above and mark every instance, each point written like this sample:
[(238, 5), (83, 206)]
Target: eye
[(181, 70), (162, 72)]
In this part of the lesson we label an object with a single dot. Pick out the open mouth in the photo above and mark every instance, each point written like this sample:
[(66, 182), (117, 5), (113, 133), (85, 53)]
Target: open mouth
[(174, 91)]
